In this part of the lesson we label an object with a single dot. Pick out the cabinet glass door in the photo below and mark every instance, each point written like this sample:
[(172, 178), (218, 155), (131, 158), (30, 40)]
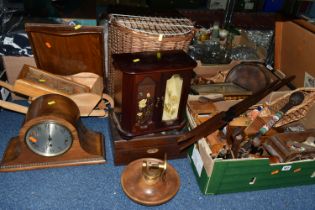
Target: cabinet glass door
[(172, 97)]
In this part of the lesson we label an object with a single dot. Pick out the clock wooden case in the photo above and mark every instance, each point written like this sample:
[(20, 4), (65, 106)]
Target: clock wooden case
[(154, 90), (53, 135)]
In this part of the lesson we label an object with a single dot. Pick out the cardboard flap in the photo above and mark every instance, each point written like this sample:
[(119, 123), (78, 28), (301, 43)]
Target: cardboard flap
[(66, 50)]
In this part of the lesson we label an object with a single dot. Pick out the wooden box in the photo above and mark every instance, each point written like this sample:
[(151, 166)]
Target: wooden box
[(85, 89), (154, 88), (145, 146), (70, 62)]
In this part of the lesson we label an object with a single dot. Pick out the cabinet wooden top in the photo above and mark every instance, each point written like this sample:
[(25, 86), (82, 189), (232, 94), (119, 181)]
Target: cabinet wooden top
[(158, 61)]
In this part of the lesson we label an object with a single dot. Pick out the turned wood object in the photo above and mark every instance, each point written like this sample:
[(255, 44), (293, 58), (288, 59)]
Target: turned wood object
[(150, 181)]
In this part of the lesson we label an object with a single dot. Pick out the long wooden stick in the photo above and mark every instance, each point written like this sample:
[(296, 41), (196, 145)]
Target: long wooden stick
[(221, 119)]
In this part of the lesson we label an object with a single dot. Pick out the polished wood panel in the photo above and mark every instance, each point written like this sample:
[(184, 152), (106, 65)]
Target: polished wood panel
[(149, 62), (66, 50), (145, 146)]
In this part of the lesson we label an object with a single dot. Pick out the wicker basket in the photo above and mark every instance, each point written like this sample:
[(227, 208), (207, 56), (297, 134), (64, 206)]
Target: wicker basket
[(128, 34), (297, 112)]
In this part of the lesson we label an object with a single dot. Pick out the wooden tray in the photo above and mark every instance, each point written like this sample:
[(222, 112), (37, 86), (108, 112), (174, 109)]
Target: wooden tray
[(85, 89)]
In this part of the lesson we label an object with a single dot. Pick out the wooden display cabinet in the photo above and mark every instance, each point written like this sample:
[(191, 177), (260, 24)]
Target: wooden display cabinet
[(155, 88)]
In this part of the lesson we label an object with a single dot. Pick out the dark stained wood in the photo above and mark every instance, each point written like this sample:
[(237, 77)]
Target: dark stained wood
[(87, 146), (246, 76), (152, 62), (66, 50), (145, 146), (147, 73)]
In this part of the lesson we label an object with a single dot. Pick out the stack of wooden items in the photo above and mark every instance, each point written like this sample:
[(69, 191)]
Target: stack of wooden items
[(150, 87)]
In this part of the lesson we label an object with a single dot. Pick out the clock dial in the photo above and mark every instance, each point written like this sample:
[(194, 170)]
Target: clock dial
[(48, 139)]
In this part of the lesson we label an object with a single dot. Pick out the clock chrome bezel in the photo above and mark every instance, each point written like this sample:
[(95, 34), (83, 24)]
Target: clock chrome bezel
[(43, 153)]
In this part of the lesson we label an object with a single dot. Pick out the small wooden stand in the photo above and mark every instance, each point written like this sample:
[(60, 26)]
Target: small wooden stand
[(150, 181)]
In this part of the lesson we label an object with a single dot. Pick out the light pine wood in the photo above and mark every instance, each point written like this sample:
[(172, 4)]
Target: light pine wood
[(6, 85), (13, 107), (85, 89)]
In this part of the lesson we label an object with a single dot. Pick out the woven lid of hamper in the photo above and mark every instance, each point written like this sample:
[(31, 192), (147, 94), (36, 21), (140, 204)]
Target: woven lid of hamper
[(154, 25)]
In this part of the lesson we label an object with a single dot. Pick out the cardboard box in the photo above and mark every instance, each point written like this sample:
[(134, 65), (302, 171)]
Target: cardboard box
[(218, 176), (227, 176)]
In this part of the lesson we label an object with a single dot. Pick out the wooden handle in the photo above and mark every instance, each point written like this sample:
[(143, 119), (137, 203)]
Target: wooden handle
[(6, 85), (13, 107)]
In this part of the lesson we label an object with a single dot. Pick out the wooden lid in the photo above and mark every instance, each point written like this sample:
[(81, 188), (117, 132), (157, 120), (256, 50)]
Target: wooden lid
[(145, 62), (66, 50), (294, 50)]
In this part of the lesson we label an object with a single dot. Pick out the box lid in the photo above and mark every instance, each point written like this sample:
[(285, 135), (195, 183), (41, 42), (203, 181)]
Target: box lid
[(295, 49), (145, 62), (66, 50)]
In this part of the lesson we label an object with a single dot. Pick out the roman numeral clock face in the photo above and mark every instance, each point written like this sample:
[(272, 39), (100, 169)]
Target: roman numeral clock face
[(48, 139)]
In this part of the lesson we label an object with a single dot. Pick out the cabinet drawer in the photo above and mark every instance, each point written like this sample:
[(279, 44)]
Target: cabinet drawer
[(153, 146)]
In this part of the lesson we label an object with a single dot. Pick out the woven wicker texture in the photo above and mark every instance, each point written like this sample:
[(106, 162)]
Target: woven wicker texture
[(128, 34), (297, 112)]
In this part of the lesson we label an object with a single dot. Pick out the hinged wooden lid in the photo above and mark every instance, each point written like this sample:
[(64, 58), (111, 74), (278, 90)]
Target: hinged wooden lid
[(145, 62), (66, 50)]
